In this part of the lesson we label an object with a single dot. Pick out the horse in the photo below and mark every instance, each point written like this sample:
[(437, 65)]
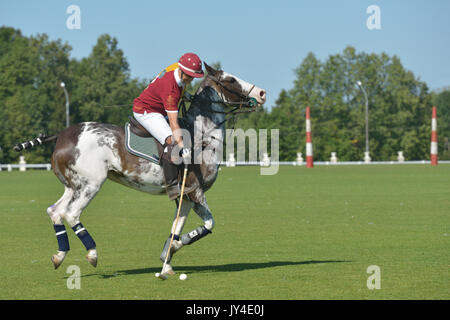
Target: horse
[(86, 154)]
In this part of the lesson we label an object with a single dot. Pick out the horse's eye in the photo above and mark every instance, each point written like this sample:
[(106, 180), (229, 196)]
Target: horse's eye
[(232, 80)]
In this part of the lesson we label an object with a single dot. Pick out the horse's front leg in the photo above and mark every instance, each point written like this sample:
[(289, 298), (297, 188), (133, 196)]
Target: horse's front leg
[(177, 227), (202, 210)]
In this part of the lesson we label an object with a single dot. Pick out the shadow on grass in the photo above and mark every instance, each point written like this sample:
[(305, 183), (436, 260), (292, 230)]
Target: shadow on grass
[(232, 267)]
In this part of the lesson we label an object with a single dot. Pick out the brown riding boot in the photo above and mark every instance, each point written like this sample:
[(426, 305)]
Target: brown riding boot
[(172, 171), (171, 175), (171, 178)]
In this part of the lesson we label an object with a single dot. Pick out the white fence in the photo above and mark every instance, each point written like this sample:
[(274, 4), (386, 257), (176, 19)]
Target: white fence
[(48, 166), (24, 167), (324, 163)]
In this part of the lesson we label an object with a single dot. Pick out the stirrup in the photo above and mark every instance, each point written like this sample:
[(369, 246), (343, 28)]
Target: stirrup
[(174, 191)]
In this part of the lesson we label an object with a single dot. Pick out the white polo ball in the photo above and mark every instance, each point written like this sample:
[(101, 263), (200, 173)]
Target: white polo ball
[(183, 276), (157, 274)]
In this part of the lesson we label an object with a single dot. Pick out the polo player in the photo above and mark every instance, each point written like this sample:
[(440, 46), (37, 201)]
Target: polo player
[(156, 109)]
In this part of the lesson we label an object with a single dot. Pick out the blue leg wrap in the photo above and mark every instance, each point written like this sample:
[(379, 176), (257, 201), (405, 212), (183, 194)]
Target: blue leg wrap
[(84, 236), (61, 236)]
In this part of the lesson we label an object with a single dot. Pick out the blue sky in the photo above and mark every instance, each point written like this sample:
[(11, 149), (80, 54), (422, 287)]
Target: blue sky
[(259, 41)]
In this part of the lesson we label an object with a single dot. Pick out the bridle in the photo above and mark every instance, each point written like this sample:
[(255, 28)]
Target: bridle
[(245, 101), (237, 107)]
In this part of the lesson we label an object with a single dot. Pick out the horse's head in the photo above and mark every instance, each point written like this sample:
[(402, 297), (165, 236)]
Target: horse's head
[(233, 90), (206, 116)]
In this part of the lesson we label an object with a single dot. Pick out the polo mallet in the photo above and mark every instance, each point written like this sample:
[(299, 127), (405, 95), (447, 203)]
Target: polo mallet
[(162, 275)]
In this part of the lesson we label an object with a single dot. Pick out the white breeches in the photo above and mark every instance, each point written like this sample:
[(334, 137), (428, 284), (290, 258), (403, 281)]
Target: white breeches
[(156, 124)]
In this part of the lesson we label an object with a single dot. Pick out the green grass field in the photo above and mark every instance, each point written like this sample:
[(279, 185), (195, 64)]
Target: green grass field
[(299, 234)]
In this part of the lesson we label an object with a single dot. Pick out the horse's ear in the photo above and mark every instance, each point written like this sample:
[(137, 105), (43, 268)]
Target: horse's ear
[(210, 70)]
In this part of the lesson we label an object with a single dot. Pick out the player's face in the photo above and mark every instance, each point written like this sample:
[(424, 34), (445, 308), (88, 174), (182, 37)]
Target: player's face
[(186, 78)]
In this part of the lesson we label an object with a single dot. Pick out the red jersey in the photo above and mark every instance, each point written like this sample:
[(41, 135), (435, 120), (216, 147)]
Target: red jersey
[(162, 94)]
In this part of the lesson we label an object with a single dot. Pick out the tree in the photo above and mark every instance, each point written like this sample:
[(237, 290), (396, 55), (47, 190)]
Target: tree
[(31, 100), (399, 108), (101, 85), (29, 93)]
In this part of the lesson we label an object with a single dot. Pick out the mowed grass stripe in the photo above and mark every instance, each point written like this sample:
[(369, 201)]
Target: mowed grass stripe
[(300, 234)]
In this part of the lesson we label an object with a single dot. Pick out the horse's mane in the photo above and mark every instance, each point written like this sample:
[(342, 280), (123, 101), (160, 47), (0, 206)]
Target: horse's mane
[(201, 104)]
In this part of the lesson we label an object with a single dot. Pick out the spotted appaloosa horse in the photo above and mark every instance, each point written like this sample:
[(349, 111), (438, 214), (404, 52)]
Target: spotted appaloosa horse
[(88, 153)]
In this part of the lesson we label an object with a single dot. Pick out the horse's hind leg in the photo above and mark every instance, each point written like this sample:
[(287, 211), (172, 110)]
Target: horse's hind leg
[(55, 213), (82, 195), (69, 207)]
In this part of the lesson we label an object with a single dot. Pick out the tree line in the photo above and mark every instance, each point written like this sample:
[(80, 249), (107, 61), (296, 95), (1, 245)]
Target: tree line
[(101, 89), (399, 104)]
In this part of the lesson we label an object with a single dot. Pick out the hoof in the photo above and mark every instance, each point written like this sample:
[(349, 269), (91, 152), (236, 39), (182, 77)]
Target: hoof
[(92, 261), (91, 257), (57, 259), (168, 270)]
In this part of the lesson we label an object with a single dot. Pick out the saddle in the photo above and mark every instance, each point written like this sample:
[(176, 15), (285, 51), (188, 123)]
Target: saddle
[(138, 129), (139, 142)]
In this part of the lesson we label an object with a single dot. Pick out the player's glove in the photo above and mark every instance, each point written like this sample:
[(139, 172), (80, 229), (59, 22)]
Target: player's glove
[(185, 153)]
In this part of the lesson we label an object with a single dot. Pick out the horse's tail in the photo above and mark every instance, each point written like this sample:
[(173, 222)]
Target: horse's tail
[(41, 139)]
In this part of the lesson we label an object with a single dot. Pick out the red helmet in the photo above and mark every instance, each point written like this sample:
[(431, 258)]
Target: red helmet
[(191, 64)]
